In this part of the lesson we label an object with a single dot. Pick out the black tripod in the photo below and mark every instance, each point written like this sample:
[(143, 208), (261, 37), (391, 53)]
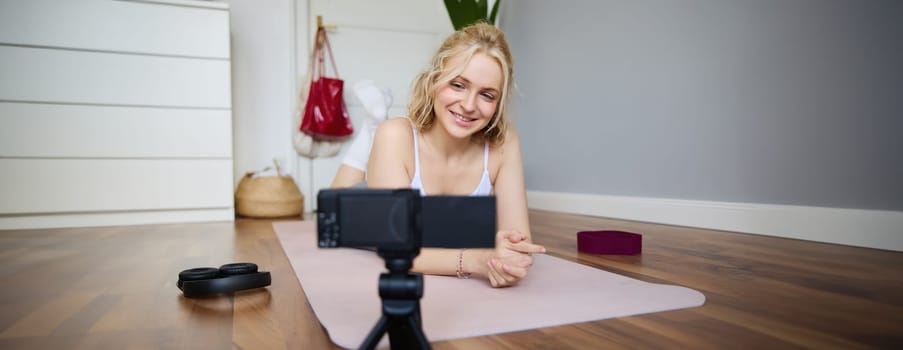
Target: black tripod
[(400, 292)]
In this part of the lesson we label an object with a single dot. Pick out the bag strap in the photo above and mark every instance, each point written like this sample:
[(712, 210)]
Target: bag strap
[(314, 56), (317, 58)]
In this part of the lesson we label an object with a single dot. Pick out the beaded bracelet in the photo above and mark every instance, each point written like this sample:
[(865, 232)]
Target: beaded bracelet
[(460, 272)]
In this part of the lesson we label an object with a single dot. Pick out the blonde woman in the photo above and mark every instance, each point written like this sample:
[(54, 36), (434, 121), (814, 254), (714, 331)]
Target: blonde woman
[(457, 140)]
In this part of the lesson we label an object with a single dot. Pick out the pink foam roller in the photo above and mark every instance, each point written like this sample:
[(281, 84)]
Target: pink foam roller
[(609, 242)]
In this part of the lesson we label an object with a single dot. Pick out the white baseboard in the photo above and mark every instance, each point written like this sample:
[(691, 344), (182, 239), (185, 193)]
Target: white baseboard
[(856, 227), (11, 222)]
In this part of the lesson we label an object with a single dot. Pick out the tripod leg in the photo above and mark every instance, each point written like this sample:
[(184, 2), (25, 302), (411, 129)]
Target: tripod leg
[(375, 334), (422, 343)]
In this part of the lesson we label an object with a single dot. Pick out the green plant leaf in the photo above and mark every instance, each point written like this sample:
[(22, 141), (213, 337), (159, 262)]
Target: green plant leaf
[(466, 12), (472, 9), (454, 12), (482, 7), (495, 11)]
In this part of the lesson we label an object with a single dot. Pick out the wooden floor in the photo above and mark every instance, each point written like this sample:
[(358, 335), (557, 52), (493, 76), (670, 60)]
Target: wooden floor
[(114, 288)]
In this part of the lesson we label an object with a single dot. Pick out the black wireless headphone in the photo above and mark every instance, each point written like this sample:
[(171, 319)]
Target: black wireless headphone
[(201, 281)]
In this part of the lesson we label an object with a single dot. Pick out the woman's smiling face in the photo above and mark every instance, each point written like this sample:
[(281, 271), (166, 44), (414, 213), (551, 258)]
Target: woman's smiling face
[(465, 105)]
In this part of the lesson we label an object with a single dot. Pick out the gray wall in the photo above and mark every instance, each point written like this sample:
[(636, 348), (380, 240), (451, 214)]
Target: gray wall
[(760, 101)]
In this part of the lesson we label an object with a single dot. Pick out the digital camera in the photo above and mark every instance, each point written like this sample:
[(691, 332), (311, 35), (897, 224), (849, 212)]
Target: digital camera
[(401, 221)]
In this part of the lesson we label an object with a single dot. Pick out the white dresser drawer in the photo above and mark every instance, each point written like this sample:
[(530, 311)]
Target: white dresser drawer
[(182, 28), (67, 76), (42, 186), (58, 130)]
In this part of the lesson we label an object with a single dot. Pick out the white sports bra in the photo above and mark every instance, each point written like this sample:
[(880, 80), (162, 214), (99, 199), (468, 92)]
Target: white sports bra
[(483, 189)]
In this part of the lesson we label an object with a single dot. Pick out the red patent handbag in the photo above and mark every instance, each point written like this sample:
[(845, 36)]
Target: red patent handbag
[(325, 115)]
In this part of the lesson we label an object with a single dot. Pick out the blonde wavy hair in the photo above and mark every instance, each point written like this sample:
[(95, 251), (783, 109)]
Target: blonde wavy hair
[(477, 38)]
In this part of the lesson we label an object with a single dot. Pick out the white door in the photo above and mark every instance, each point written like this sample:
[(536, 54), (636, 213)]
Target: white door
[(387, 41)]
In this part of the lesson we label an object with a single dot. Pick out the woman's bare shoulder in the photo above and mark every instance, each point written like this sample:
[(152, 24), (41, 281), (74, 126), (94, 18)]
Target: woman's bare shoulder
[(392, 155), (512, 143), (505, 153), (396, 125), (394, 134), (512, 138)]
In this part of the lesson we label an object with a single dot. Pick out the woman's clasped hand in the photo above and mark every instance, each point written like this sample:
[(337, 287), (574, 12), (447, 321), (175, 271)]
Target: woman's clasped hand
[(512, 257)]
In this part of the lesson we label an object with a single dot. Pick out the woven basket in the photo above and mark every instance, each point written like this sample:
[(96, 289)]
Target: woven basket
[(268, 197)]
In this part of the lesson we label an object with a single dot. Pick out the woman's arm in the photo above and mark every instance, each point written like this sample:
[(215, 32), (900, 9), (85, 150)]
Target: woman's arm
[(512, 256), (510, 191)]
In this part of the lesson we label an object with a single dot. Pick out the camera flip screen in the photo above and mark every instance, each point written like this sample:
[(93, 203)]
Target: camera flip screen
[(458, 222), (366, 218), (372, 221)]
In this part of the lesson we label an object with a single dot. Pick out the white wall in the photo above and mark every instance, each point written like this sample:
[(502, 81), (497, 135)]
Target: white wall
[(263, 82)]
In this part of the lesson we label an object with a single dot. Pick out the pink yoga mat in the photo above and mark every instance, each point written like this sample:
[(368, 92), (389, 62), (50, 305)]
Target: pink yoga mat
[(341, 286)]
